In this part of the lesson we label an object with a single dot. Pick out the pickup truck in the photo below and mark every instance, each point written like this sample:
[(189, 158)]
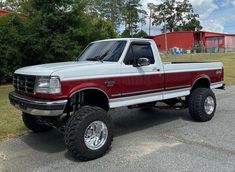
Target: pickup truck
[(75, 96)]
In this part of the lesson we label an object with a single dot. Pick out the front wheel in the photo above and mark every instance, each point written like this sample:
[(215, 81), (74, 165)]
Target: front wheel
[(88, 133), (202, 104)]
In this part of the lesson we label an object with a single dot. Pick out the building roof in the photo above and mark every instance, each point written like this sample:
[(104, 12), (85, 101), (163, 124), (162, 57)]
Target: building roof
[(205, 32), (2, 12), (215, 33)]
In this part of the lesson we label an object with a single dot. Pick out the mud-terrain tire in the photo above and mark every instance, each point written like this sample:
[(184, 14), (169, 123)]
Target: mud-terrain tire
[(31, 123), (202, 104), (82, 127)]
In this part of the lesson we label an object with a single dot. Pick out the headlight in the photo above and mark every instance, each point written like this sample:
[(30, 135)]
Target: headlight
[(48, 85)]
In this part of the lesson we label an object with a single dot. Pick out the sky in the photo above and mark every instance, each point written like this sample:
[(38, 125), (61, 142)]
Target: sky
[(215, 15)]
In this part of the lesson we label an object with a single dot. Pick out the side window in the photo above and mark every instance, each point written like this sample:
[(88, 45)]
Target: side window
[(137, 51), (129, 59)]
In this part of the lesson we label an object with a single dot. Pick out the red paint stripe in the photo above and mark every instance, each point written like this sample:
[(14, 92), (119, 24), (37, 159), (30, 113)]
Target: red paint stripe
[(130, 84)]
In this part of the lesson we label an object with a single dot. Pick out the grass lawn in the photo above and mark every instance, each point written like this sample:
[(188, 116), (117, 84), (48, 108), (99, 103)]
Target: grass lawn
[(10, 118), (228, 60)]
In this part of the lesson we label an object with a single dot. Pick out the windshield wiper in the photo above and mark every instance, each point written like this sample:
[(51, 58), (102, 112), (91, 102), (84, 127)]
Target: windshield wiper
[(96, 58)]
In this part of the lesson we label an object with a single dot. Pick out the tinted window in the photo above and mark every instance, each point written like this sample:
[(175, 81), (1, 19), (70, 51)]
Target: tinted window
[(104, 51), (129, 59), (137, 51)]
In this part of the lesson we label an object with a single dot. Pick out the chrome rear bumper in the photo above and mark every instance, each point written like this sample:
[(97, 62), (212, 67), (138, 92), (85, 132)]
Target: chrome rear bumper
[(37, 107)]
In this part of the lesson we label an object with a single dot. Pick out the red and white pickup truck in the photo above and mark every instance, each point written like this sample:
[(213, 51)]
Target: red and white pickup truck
[(75, 96)]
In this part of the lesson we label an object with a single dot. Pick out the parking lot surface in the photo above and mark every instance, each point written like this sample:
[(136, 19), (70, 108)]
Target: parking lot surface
[(153, 140)]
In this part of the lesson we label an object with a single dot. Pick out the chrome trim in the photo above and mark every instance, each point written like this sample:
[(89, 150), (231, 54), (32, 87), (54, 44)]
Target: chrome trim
[(111, 76), (116, 95), (37, 107), (135, 97), (216, 84), (153, 90), (145, 91), (22, 85), (96, 135), (178, 87), (193, 70), (209, 105), (149, 97)]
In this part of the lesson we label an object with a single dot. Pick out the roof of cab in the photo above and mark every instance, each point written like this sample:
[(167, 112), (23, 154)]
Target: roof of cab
[(124, 39)]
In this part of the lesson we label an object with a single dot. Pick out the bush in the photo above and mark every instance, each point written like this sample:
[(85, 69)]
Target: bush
[(11, 39), (49, 34)]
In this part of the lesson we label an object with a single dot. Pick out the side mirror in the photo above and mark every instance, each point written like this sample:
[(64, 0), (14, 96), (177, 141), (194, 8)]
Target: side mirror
[(142, 62)]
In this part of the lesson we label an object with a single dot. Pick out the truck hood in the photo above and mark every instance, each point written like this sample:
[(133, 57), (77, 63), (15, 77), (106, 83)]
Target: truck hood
[(67, 70), (48, 69)]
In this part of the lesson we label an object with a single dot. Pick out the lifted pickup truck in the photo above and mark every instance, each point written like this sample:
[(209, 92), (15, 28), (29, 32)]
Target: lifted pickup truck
[(76, 96)]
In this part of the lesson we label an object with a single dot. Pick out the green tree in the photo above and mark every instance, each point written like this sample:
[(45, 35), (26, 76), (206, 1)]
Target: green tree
[(54, 31), (176, 16), (109, 10), (140, 34), (11, 31), (131, 16), (19, 6)]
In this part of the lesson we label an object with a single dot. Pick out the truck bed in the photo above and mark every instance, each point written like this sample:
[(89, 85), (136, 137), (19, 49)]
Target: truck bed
[(191, 66)]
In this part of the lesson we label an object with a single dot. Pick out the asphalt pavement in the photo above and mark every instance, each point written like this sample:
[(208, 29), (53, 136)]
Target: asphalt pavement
[(153, 140)]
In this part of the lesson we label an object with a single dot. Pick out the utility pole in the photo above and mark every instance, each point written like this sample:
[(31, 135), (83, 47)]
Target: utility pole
[(165, 30), (150, 22), (150, 6), (130, 19)]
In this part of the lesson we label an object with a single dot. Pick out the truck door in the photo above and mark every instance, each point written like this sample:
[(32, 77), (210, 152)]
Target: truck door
[(140, 80)]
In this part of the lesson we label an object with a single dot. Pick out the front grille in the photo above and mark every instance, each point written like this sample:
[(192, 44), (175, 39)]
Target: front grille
[(24, 83)]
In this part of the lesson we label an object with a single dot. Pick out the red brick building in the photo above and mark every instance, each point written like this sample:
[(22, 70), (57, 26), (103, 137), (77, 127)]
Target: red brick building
[(3, 12), (218, 42)]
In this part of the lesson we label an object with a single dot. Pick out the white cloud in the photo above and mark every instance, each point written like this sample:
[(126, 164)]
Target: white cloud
[(232, 2), (227, 2), (145, 3), (204, 7), (154, 30), (213, 26)]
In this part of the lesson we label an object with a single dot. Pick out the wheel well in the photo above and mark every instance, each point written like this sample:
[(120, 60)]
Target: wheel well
[(91, 97), (202, 83)]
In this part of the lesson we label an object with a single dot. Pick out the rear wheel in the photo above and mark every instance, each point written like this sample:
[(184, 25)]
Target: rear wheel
[(31, 123), (202, 104), (88, 133)]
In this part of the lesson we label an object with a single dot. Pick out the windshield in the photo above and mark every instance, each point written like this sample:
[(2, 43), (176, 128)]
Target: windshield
[(103, 51)]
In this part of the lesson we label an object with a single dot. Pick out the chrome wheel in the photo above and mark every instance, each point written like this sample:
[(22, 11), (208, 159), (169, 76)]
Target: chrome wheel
[(96, 135), (209, 105)]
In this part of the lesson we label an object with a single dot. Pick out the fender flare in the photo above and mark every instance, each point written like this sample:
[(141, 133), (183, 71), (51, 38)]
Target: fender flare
[(202, 76)]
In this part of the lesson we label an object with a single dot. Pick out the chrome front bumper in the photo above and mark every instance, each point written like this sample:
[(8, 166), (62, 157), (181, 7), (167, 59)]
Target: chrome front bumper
[(37, 107)]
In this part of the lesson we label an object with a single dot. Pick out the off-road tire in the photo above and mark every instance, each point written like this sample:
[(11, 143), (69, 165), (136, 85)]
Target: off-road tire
[(196, 104), (31, 123), (75, 130)]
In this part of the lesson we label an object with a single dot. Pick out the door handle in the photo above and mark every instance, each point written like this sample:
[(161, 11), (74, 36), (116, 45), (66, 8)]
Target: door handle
[(156, 69)]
